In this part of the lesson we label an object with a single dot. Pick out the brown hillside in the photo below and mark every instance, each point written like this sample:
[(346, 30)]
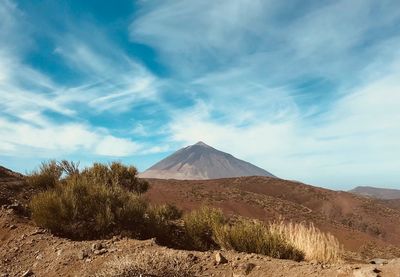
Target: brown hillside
[(362, 225)]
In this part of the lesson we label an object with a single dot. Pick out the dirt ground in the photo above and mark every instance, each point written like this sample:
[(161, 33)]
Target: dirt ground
[(27, 250)]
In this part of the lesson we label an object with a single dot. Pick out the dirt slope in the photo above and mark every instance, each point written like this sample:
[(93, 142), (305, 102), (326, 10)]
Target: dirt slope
[(363, 225)]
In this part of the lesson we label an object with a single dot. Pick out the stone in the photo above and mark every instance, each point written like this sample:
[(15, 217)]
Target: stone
[(247, 267), (12, 227), (100, 252), (375, 270), (97, 246), (83, 254), (27, 273), (220, 259), (378, 261)]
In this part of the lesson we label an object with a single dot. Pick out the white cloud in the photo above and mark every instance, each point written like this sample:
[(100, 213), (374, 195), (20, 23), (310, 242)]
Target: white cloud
[(354, 143), (61, 139)]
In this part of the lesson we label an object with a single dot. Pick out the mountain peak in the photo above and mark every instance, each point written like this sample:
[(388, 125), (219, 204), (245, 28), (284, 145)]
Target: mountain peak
[(200, 143), (201, 161)]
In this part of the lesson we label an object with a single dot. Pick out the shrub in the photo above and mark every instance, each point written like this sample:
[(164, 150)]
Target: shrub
[(116, 174), (46, 176), (200, 225), (160, 224), (315, 244), (252, 236), (166, 212), (86, 205)]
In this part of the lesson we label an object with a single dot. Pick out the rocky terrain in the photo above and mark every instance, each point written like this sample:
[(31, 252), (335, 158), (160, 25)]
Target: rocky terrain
[(201, 161), (30, 251)]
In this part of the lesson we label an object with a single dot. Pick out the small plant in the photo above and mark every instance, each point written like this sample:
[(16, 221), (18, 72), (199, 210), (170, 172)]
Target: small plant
[(200, 225), (252, 236), (315, 244)]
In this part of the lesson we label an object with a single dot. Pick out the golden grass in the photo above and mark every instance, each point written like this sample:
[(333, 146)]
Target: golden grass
[(253, 236), (316, 245)]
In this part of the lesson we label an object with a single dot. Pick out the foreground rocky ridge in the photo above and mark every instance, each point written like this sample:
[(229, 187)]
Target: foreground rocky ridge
[(30, 251)]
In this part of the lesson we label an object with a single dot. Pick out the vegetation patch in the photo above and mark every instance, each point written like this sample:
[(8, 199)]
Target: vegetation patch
[(103, 200)]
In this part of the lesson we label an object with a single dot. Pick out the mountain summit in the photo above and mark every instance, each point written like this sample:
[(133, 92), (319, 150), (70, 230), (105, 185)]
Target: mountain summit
[(201, 161)]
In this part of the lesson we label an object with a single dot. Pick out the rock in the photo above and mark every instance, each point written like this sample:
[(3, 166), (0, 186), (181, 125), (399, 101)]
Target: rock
[(247, 267), (83, 254), (12, 227), (375, 270), (27, 273), (100, 252), (378, 261), (192, 257), (97, 246), (39, 257), (220, 259), (59, 252)]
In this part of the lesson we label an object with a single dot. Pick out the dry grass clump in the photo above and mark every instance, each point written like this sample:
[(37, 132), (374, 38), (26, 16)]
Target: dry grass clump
[(252, 236), (316, 245), (158, 264)]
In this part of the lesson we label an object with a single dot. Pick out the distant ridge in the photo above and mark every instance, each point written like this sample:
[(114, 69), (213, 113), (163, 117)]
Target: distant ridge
[(201, 161), (379, 193)]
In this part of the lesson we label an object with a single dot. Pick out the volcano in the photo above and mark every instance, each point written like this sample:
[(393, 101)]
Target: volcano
[(201, 161)]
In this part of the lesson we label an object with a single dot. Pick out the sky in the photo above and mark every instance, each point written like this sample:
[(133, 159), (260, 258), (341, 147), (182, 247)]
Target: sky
[(308, 90)]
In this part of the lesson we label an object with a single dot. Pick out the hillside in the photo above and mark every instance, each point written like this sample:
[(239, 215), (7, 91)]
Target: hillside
[(201, 161), (363, 225), (380, 193)]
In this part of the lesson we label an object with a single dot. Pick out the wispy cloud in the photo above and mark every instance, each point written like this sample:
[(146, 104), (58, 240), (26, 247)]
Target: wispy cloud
[(109, 81), (306, 90)]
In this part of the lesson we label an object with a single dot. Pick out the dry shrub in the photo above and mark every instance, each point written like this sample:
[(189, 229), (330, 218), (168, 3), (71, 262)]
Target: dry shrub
[(96, 202), (46, 176), (200, 225), (116, 174), (82, 209), (252, 236), (160, 264), (316, 245)]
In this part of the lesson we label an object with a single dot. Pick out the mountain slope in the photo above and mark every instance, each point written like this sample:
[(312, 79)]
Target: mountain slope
[(366, 226), (379, 193), (200, 161)]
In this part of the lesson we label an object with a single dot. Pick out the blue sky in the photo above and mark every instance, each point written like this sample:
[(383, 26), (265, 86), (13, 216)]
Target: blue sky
[(309, 90)]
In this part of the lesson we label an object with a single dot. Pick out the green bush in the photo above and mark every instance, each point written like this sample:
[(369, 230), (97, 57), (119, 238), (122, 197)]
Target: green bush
[(46, 176), (95, 202), (252, 236), (199, 227), (81, 209), (160, 224), (116, 174)]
